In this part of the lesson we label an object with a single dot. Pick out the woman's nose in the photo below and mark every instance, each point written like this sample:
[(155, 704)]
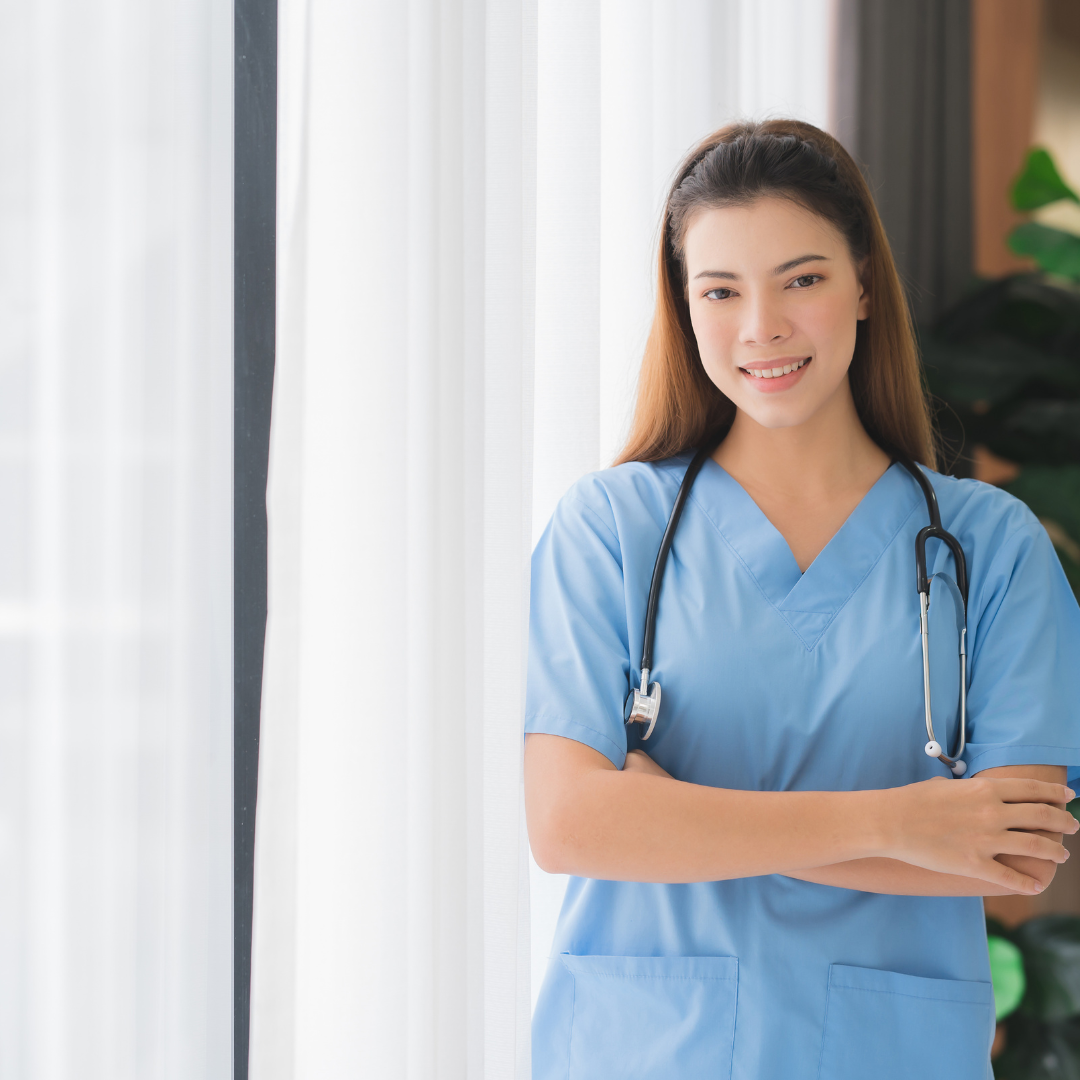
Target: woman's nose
[(764, 322)]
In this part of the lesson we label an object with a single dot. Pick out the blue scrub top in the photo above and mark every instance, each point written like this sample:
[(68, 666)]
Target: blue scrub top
[(776, 680)]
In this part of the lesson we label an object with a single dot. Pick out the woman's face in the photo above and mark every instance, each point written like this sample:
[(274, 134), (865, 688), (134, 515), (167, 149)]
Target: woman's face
[(774, 299)]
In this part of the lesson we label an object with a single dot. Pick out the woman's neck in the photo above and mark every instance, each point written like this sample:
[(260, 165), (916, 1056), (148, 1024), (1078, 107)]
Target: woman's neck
[(807, 479), (830, 454)]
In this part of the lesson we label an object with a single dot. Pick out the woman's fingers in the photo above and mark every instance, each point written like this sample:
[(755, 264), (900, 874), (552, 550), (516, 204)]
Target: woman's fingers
[(1041, 816), (1005, 876), (1029, 791), (1032, 845)]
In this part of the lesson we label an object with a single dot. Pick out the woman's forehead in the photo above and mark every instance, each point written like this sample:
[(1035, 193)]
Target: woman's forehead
[(758, 237)]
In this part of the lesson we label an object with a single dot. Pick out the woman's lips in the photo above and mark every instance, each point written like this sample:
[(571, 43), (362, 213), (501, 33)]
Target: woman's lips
[(766, 382)]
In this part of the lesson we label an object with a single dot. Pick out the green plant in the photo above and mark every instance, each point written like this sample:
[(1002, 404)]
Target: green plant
[(1004, 367), (1036, 973), (1039, 184)]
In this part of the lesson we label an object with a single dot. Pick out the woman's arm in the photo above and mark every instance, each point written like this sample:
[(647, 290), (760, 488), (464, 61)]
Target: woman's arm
[(899, 878), (588, 818), (890, 876)]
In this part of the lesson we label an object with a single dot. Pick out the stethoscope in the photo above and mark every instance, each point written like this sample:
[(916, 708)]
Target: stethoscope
[(645, 707)]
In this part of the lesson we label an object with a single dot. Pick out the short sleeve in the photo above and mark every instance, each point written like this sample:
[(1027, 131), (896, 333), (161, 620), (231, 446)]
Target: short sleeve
[(578, 648), (1024, 696)]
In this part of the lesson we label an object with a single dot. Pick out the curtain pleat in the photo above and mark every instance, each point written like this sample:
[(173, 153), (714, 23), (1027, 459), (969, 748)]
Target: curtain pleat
[(391, 906)]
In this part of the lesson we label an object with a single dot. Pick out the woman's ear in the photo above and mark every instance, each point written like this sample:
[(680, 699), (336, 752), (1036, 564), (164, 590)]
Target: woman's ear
[(864, 290)]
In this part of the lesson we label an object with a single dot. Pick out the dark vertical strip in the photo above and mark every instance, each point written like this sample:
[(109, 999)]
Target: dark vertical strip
[(844, 74), (255, 167), (913, 137)]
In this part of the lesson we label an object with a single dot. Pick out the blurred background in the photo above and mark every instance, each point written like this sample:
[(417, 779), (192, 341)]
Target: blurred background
[(384, 262)]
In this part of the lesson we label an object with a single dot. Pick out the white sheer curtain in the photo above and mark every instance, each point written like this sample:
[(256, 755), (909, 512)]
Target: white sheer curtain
[(391, 895), (462, 185), (115, 540)]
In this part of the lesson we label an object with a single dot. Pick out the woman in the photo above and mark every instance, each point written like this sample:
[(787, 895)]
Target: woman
[(786, 886)]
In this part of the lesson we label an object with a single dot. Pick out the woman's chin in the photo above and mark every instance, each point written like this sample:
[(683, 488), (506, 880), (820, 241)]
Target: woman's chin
[(775, 413)]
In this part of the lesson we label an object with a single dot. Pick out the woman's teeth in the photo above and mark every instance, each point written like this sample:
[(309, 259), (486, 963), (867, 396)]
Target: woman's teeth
[(776, 372)]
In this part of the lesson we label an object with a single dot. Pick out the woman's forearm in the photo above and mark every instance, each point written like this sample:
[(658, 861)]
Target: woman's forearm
[(902, 879), (590, 819), (632, 827)]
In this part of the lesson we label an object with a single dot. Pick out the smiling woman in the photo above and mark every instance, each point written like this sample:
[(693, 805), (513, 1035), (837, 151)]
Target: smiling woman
[(778, 342), (815, 195), (784, 886)]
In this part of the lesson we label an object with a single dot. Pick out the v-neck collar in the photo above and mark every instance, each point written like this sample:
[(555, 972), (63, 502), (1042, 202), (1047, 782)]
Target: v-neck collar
[(808, 601)]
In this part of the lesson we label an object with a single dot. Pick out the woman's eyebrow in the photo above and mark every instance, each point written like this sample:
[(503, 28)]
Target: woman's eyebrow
[(783, 268)]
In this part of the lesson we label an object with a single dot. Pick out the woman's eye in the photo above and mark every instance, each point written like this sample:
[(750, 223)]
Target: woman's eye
[(718, 294), (804, 281)]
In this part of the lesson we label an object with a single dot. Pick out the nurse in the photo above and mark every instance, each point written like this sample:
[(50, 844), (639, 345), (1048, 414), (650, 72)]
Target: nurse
[(785, 887)]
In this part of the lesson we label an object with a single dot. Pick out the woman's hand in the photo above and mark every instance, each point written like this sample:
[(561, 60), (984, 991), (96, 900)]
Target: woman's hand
[(637, 761), (960, 827)]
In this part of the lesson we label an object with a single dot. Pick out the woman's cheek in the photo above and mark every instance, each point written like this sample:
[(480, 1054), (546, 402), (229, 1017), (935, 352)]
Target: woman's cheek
[(722, 375), (830, 328), (714, 350)]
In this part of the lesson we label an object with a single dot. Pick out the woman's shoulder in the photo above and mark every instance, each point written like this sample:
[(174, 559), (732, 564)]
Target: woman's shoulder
[(622, 492), (987, 513), (999, 534), (629, 486)]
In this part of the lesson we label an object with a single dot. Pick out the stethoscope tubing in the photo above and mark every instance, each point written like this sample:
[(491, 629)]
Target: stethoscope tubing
[(644, 702), (935, 531), (662, 555)]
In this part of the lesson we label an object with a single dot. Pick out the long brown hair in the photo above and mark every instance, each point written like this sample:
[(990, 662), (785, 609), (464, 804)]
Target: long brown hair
[(678, 406)]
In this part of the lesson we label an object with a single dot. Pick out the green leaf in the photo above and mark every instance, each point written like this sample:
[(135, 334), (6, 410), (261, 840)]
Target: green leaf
[(1034, 309), (990, 367), (1007, 973), (1074, 808), (1045, 428), (1039, 183), (1051, 948), (1056, 251), (1051, 491)]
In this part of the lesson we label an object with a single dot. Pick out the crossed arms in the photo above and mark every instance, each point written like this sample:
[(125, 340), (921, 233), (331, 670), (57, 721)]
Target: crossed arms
[(995, 834)]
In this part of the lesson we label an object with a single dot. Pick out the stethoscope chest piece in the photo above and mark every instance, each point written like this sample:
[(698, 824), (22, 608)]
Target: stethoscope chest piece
[(646, 706)]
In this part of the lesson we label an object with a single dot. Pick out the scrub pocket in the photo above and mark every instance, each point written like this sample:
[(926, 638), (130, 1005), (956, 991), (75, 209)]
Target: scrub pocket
[(888, 1026), (652, 1017)]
